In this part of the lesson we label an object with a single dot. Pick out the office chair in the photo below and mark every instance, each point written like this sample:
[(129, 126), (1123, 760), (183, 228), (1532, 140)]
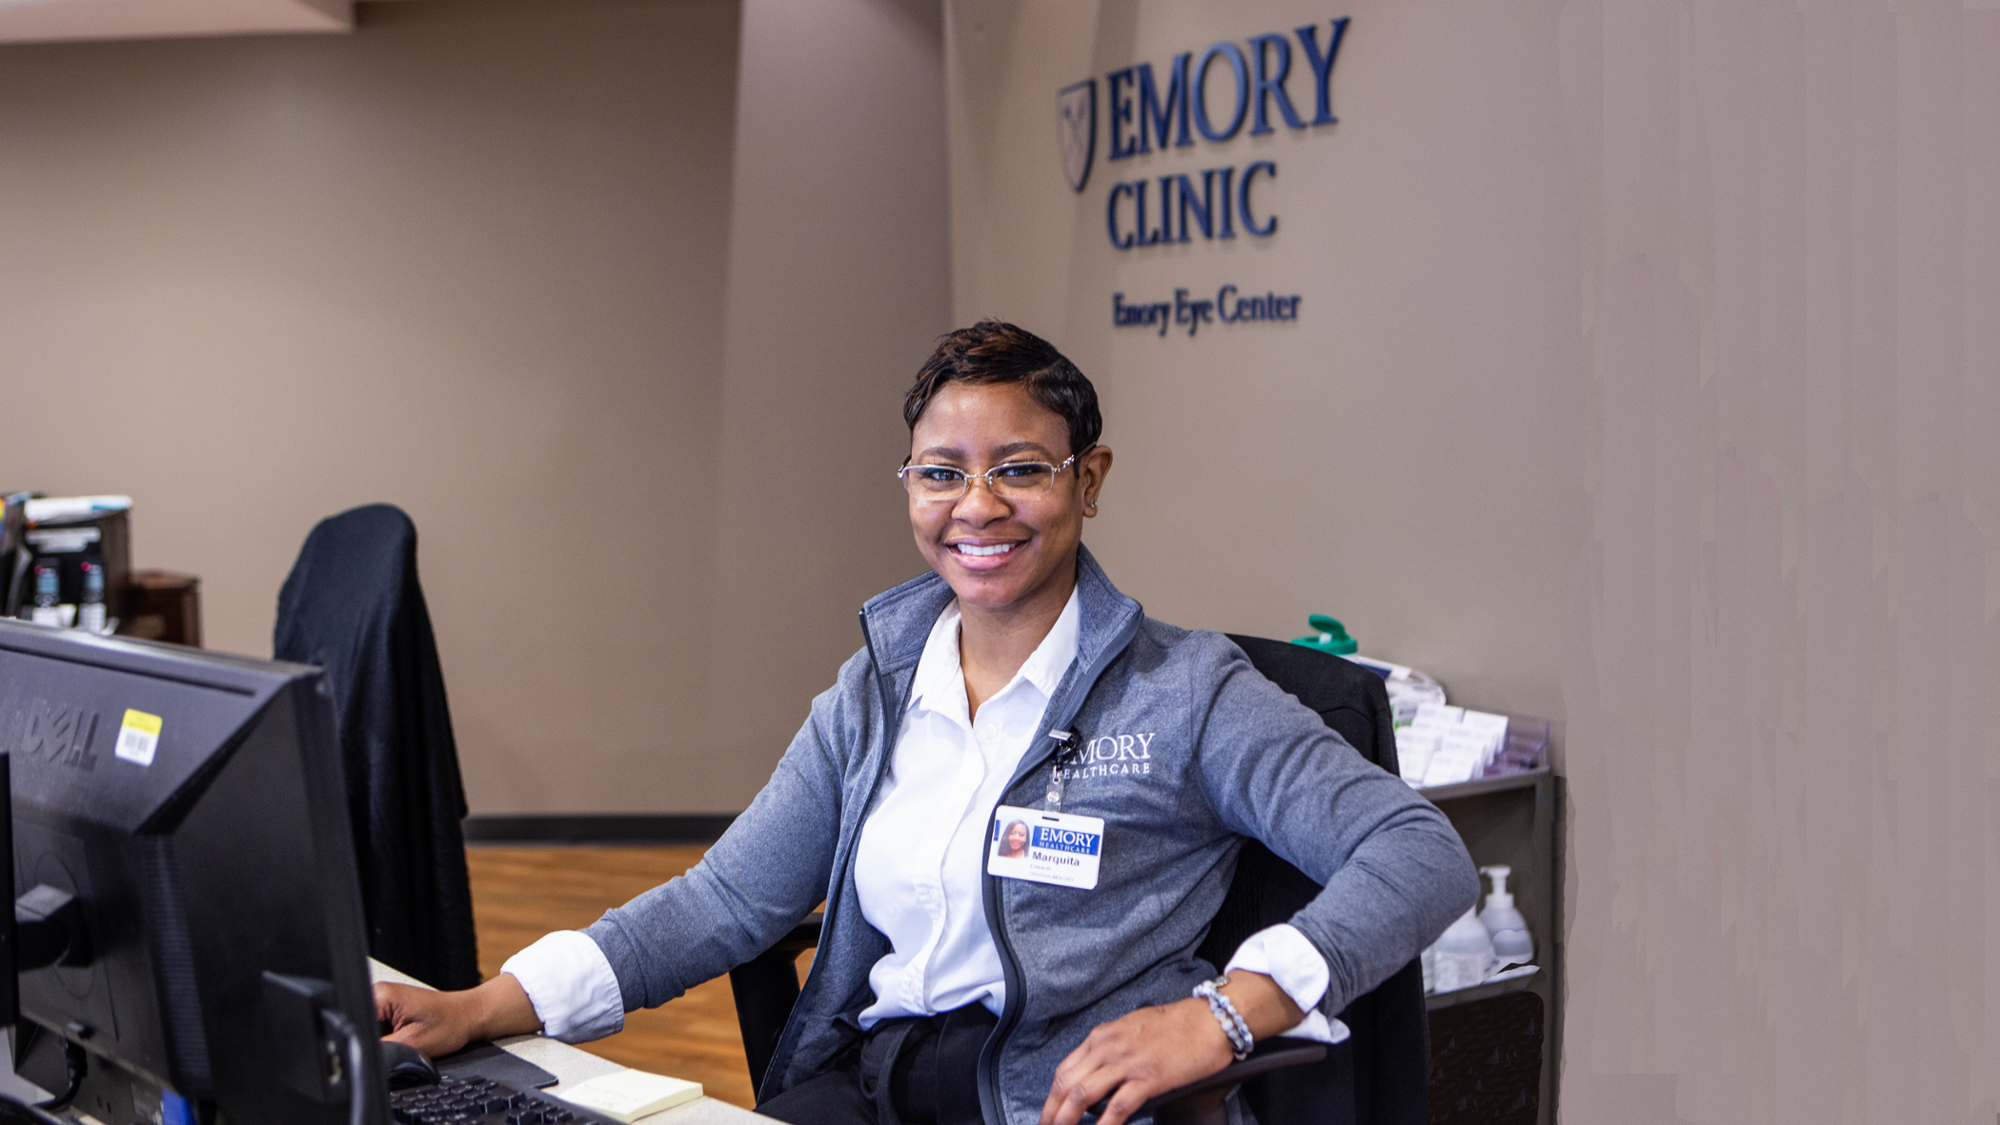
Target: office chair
[(352, 604), (1379, 1076)]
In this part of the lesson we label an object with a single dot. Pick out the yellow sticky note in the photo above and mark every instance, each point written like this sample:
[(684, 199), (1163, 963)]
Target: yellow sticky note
[(628, 1095)]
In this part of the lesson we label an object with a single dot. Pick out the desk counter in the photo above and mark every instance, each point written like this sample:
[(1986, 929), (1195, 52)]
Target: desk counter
[(572, 1065)]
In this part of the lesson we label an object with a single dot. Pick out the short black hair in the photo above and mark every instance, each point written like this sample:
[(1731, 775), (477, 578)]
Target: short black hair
[(994, 352)]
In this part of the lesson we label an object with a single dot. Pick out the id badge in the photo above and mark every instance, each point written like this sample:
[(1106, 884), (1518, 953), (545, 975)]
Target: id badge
[(1045, 847)]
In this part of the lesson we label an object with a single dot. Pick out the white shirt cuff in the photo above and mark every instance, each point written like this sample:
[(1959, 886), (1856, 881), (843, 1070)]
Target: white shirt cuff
[(1289, 958), (570, 983)]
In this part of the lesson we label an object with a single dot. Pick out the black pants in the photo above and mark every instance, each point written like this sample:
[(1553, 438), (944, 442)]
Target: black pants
[(919, 1071)]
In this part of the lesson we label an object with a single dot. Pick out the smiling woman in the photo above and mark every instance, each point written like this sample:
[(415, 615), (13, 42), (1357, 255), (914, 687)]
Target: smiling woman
[(1003, 470), (1039, 765)]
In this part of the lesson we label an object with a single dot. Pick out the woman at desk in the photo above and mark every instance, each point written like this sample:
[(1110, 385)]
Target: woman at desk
[(1013, 682)]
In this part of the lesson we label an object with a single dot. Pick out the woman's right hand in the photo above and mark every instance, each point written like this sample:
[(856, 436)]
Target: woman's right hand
[(439, 1023)]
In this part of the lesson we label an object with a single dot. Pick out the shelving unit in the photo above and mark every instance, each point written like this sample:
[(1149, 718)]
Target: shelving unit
[(1490, 1036)]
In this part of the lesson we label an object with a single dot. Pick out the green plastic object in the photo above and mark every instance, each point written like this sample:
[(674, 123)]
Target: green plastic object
[(1332, 636)]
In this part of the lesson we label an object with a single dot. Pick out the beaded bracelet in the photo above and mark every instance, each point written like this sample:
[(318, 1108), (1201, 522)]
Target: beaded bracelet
[(1225, 1013)]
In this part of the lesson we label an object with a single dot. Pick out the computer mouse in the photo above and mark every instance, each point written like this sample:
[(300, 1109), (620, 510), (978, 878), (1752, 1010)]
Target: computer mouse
[(406, 1066)]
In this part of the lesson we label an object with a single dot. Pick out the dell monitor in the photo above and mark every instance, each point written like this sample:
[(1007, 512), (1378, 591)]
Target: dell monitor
[(188, 936)]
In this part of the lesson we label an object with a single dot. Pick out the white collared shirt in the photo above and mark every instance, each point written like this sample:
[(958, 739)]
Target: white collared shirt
[(918, 868), (920, 863)]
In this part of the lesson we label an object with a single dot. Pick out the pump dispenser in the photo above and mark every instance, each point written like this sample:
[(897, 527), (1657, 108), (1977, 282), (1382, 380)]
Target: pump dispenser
[(1328, 635), (1511, 943), (1462, 957)]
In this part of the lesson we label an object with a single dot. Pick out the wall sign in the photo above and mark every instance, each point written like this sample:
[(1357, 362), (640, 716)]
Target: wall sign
[(1205, 99), (1147, 113), (1230, 305)]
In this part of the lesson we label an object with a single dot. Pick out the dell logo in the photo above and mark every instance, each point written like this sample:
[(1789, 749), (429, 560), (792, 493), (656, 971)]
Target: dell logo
[(55, 733)]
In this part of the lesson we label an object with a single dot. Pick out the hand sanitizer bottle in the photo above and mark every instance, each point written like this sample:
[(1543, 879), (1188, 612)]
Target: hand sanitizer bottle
[(1463, 956), (48, 593), (90, 614), (1511, 943)]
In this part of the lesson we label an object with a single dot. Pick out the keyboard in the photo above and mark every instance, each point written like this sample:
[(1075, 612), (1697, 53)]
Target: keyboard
[(482, 1101)]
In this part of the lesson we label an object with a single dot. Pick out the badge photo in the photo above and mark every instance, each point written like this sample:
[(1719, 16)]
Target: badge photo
[(1010, 847)]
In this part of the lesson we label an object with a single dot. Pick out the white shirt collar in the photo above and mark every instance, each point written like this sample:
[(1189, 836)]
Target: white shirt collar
[(941, 678)]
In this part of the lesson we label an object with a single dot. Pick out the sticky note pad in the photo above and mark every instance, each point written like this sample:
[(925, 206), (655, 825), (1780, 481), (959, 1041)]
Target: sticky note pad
[(628, 1095)]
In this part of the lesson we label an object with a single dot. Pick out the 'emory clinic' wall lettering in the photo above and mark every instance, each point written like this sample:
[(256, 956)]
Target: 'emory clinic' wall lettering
[(1207, 98)]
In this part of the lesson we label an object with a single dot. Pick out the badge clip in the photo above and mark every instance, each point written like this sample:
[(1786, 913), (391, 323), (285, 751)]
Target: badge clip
[(1068, 755)]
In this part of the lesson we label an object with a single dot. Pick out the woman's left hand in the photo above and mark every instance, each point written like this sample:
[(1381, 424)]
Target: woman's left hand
[(1154, 1050)]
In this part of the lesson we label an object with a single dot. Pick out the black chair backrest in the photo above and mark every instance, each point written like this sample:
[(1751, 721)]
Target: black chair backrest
[(352, 605), (1383, 1073)]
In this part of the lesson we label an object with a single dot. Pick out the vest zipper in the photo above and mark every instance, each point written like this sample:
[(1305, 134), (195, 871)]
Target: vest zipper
[(996, 919)]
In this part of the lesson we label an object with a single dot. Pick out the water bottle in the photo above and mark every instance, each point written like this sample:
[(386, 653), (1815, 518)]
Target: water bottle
[(48, 593), (90, 612)]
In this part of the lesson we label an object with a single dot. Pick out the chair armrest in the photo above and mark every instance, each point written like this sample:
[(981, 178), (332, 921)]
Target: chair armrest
[(766, 987), (1270, 1055), (1201, 1102)]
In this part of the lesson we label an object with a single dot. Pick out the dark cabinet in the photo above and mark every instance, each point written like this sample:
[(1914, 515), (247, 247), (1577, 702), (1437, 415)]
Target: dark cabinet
[(1494, 1046)]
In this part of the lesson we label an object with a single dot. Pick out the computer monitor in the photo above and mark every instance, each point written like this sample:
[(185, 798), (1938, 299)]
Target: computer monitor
[(183, 814)]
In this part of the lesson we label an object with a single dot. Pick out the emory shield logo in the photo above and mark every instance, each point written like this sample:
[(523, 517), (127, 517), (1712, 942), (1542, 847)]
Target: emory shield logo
[(1076, 129)]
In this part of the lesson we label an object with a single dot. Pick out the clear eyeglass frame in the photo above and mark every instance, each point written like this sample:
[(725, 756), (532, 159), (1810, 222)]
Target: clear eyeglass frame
[(1013, 480)]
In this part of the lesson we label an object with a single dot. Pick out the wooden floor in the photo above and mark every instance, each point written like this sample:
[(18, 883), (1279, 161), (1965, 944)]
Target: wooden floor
[(519, 894)]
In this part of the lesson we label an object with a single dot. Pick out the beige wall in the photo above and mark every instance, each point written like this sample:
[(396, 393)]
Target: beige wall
[(1648, 378), (477, 259), (838, 286)]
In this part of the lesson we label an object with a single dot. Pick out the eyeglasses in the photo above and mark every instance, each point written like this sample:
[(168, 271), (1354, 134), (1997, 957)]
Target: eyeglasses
[(1015, 480)]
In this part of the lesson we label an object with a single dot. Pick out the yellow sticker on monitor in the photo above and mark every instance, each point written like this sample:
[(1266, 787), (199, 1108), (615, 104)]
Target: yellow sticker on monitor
[(139, 737)]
